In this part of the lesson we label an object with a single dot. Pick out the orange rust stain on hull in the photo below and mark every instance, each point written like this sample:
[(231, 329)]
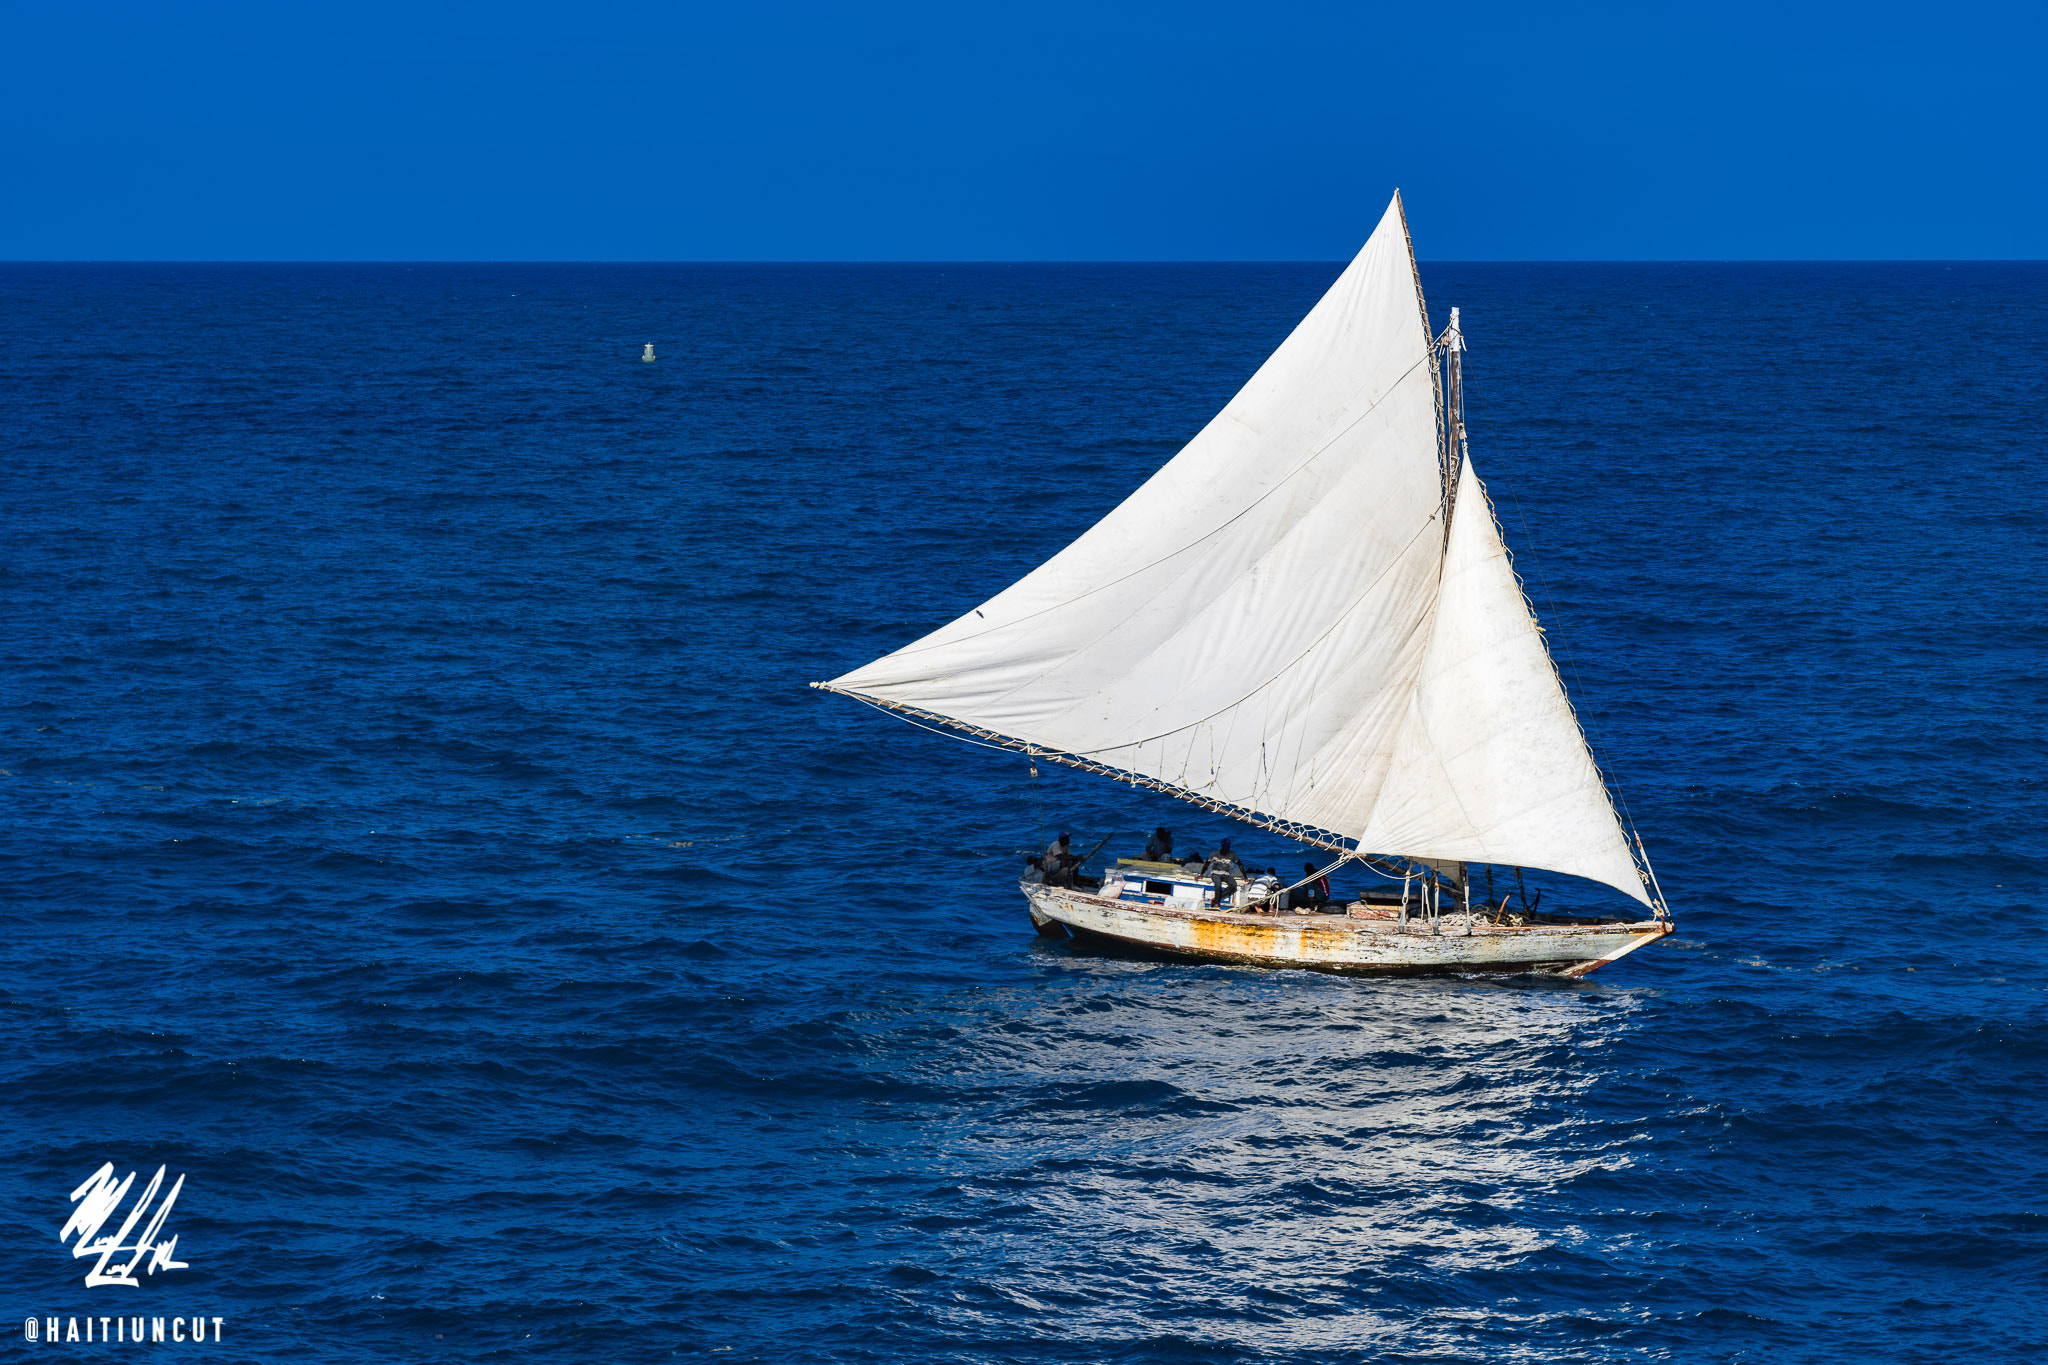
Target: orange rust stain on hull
[(1282, 943), (1220, 936)]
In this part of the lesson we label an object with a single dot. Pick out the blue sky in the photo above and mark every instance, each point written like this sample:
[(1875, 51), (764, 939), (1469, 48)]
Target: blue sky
[(1254, 131)]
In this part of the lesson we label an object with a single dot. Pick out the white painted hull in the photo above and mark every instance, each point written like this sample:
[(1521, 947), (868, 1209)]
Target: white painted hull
[(1341, 944)]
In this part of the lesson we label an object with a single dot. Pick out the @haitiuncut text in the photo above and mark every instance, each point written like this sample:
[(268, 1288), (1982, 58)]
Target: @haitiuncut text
[(123, 1328)]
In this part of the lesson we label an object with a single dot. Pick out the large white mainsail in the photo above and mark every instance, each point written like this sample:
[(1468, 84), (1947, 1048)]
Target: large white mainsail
[(1276, 623)]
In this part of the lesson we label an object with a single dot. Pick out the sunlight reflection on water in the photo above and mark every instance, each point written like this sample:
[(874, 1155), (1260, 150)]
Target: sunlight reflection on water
[(1288, 1158)]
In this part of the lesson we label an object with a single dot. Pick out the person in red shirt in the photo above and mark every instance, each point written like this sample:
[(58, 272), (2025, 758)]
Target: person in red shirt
[(1315, 895)]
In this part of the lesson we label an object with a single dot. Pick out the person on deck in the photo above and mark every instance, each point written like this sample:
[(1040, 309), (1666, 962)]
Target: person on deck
[(1159, 849), (1224, 871), (1057, 862), (1316, 895)]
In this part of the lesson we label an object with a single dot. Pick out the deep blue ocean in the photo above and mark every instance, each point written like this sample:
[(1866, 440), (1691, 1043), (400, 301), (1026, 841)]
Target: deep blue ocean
[(417, 831)]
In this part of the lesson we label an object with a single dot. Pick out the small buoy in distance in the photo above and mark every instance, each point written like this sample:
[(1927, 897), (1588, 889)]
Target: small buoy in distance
[(648, 354)]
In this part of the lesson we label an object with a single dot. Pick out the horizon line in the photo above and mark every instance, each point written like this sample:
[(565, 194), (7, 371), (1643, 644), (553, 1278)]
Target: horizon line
[(1022, 260)]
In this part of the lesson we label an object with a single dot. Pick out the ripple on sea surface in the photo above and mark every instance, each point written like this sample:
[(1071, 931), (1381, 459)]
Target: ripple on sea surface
[(419, 832)]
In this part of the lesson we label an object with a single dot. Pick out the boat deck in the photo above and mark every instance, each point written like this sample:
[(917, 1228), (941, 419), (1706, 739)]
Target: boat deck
[(1372, 913)]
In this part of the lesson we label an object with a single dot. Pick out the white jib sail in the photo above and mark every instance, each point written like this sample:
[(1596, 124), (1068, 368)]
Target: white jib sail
[(1490, 765), (1252, 625)]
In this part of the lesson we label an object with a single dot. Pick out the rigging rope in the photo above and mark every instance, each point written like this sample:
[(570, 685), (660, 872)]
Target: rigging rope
[(1037, 811), (991, 739)]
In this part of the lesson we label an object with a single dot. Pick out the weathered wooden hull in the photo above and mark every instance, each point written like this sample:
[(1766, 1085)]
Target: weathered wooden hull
[(1337, 944)]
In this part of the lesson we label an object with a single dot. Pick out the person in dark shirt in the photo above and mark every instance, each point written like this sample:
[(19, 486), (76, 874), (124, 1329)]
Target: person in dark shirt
[(1159, 849), (1057, 862), (1316, 895), (1224, 872)]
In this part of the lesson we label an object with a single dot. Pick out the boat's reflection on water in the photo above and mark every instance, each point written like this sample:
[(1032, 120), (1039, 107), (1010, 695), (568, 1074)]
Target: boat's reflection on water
[(1288, 1160)]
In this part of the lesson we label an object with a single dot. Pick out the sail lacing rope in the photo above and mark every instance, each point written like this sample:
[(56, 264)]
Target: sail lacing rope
[(885, 708), (990, 739)]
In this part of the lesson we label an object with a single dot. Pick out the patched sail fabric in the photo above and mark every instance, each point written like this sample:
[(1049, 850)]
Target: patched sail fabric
[(1258, 625)]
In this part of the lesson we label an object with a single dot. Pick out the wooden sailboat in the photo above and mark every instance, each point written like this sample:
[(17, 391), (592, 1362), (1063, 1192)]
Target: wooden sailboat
[(1307, 621)]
